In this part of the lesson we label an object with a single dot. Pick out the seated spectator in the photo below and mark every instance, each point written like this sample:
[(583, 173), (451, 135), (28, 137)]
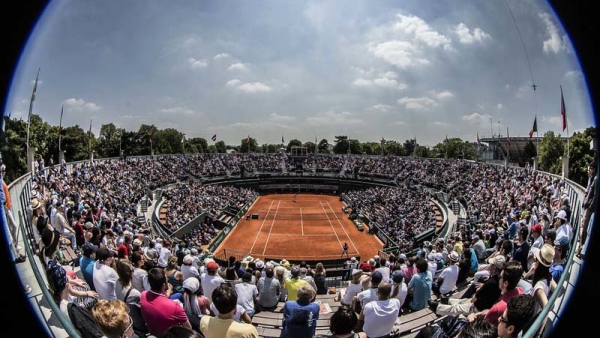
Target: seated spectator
[(87, 262), (129, 295), (478, 329), (561, 249), (446, 282), (342, 324), (379, 316), (419, 287), (268, 290), (210, 280), (194, 302), (292, 284), (300, 316), (320, 280), (247, 293), (370, 294), (518, 314), (113, 319), (160, 312), (224, 299), (509, 278)]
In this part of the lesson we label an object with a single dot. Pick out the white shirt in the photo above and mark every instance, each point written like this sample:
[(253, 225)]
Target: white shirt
[(210, 283), (385, 272), (564, 231), (105, 281), (237, 316), (402, 293), (450, 275), (380, 317), (246, 293)]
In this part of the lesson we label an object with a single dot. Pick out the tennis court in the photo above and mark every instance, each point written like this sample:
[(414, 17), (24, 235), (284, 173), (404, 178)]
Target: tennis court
[(311, 227)]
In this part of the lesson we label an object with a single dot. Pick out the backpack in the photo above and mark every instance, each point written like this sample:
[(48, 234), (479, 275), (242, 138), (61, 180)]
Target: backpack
[(83, 321)]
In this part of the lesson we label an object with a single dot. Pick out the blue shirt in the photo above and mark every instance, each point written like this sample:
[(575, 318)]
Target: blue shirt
[(512, 230), (299, 319), (421, 290), (556, 271), (474, 262), (86, 265)]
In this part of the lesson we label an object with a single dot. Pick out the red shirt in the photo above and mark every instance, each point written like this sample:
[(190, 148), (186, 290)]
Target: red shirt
[(123, 251), (160, 313), (498, 309)]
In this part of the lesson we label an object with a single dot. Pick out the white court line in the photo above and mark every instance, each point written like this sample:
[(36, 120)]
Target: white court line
[(272, 223), (340, 223), (261, 226), (336, 235), (301, 222), (309, 235)]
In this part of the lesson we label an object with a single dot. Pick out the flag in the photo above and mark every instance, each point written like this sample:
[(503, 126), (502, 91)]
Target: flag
[(282, 141), (534, 128), (90, 136), (248, 139), (507, 137), (382, 140), (563, 110), (446, 141), (60, 126), (33, 94), (214, 138), (182, 138), (478, 142)]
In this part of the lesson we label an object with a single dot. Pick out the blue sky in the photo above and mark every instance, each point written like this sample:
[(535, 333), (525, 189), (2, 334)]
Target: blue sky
[(304, 69)]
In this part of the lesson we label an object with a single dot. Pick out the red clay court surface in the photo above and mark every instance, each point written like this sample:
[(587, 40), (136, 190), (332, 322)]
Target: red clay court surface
[(311, 228)]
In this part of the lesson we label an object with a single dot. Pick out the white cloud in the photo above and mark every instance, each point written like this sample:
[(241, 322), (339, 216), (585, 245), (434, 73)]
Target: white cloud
[(417, 103), (331, 118), (555, 42), (233, 83), (399, 53), (178, 110), (362, 71), (382, 107), (81, 105), (441, 124), (197, 64), (555, 121), (281, 118), (499, 106), (421, 31), (389, 75), (466, 37), (237, 66), (362, 82), (444, 95), (574, 74), (221, 56), (477, 119), (523, 91), (255, 87)]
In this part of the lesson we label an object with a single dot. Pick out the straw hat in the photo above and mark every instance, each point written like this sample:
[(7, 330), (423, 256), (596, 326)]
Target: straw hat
[(35, 203)]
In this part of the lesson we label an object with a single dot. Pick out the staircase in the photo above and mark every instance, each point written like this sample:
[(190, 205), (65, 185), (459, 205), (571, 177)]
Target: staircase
[(455, 207)]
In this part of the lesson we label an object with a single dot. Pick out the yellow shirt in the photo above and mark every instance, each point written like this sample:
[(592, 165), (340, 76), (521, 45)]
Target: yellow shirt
[(215, 327), (292, 285)]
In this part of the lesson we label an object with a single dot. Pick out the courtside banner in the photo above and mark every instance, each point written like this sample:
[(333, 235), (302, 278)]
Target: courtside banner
[(299, 186)]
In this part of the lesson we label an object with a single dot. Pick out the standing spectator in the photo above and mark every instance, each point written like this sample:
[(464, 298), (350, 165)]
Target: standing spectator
[(105, 277), (140, 276), (160, 312), (304, 276), (399, 290), (420, 286), (588, 206), (124, 250), (224, 299), (379, 316), (300, 316), (268, 290), (247, 293), (410, 269), (79, 230)]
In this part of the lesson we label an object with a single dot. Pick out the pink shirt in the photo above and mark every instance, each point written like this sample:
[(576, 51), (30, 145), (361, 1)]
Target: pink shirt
[(160, 313), (497, 309)]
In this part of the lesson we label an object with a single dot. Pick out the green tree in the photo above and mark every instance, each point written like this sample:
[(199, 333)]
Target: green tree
[(144, 135), (196, 145), (13, 149), (391, 147), (341, 145), (74, 143), (108, 141), (529, 152), (409, 147), (323, 147), (252, 144), (371, 148), (551, 151), (293, 143), (580, 156), (310, 147), (355, 147), (422, 151), (221, 148)]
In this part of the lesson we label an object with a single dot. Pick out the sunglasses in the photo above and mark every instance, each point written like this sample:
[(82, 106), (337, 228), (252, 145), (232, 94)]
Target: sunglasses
[(128, 327), (503, 320)]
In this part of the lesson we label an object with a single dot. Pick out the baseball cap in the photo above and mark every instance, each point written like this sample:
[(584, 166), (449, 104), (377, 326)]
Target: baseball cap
[(366, 267), (212, 266), (88, 249), (376, 277), (536, 228), (103, 254), (562, 215), (397, 276), (563, 242), (498, 261)]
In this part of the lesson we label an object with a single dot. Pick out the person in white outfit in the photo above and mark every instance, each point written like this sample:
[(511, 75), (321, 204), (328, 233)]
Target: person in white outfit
[(379, 316)]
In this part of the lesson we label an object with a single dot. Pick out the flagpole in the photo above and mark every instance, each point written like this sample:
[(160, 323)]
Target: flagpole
[(60, 127), (31, 106)]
